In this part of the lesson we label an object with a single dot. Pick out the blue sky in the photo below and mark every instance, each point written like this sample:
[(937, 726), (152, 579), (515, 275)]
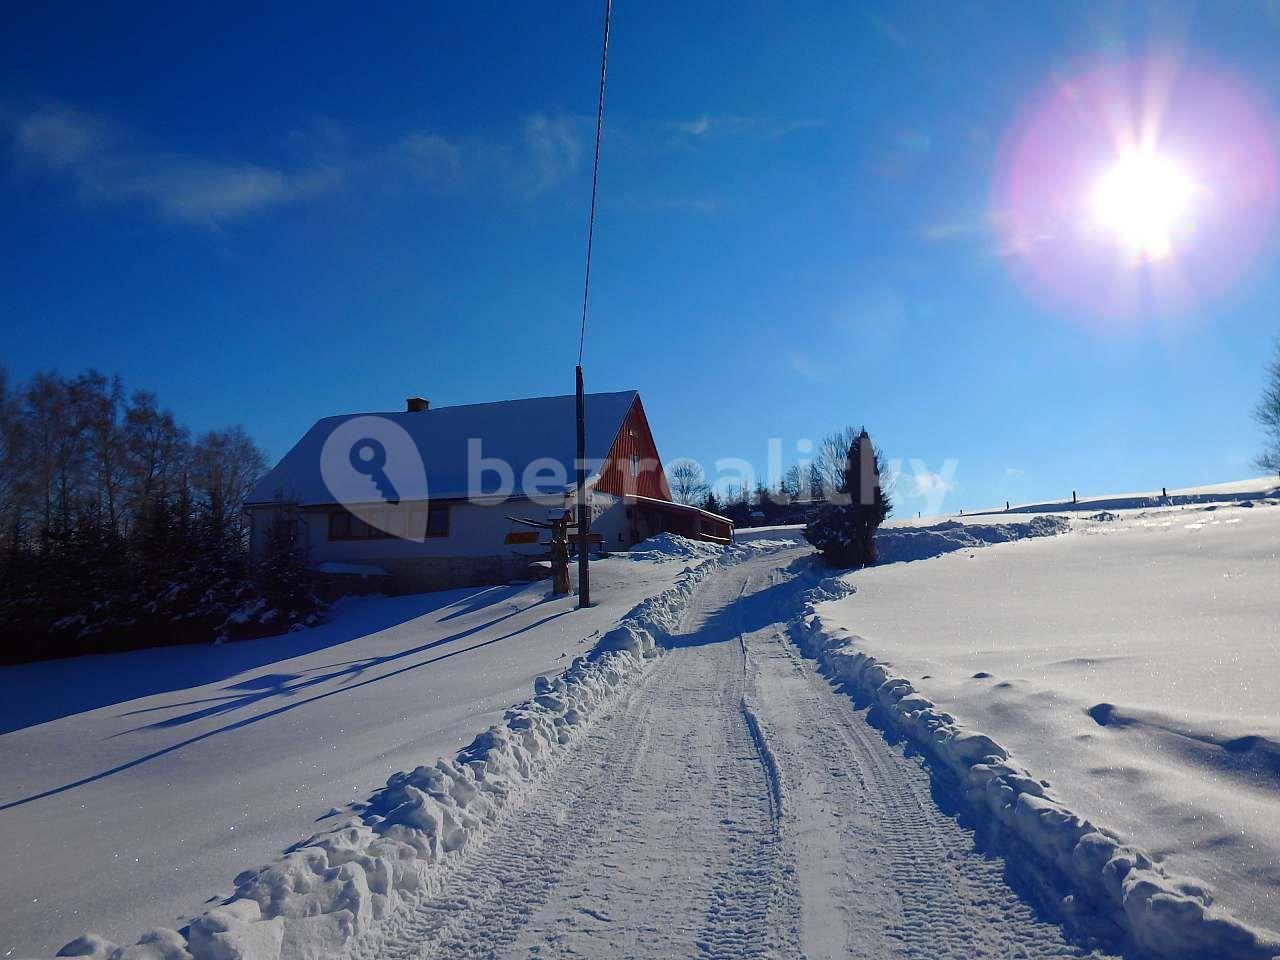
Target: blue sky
[(268, 217)]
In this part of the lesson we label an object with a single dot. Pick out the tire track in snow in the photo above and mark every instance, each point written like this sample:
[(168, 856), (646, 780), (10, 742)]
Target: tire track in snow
[(663, 834), (755, 907), (655, 836), (492, 891), (767, 759), (938, 897)]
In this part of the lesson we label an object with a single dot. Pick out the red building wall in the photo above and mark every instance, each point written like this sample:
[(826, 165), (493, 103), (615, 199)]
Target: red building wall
[(634, 440)]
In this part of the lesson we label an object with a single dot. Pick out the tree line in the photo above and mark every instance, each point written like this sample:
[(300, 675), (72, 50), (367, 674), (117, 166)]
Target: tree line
[(803, 486), (121, 529)]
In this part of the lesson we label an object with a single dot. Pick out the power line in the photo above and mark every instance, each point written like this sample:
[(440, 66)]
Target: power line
[(595, 178)]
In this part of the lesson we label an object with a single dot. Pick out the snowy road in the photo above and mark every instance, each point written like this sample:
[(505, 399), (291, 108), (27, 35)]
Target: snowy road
[(731, 804)]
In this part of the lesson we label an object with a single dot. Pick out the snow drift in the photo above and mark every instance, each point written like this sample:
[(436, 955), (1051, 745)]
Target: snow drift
[(1161, 913), (669, 546), (326, 891), (896, 544), (897, 541)]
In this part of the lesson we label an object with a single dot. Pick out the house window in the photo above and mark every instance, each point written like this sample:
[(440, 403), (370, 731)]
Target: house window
[(344, 525), (385, 524), (436, 521), (635, 465), (339, 525)]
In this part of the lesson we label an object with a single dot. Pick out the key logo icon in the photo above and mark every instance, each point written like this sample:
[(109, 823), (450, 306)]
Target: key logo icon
[(373, 467), (369, 456)]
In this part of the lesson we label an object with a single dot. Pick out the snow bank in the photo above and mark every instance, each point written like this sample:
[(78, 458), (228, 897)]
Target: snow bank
[(1238, 492), (915, 541), (896, 544), (792, 533), (670, 546), (329, 889), (1161, 913)]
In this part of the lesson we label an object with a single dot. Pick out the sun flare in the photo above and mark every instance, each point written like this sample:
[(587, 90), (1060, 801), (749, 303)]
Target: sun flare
[(1145, 202)]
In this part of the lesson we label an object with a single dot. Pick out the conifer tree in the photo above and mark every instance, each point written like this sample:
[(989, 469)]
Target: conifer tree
[(283, 574), (845, 530)]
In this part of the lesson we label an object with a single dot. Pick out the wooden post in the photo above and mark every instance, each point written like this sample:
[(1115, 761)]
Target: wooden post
[(584, 518), (560, 584)]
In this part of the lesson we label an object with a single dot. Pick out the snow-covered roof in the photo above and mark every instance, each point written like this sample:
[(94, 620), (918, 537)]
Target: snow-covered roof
[(519, 433), (674, 507)]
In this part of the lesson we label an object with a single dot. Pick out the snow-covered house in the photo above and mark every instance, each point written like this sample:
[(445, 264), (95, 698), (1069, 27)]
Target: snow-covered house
[(427, 494)]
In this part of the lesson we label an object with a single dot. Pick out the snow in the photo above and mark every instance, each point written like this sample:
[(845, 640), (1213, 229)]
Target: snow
[(1131, 664), (138, 784), (665, 547), (669, 830), (895, 544), (1097, 690), (793, 532), (921, 539), (668, 546), (331, 888), (1257, 489)]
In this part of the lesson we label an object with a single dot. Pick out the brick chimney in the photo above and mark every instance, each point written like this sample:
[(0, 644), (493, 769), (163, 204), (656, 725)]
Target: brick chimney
[(417, 405)]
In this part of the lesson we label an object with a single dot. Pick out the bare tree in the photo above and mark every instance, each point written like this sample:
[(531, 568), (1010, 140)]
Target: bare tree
[(225, 464), (13, 453), (1267, 413), (156, 449), (832, 457), (688, 482), (100, 402), (794, 486)]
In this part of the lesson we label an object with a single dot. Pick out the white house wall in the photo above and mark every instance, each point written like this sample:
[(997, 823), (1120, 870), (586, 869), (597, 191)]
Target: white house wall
[(475, 530), (609, 519)]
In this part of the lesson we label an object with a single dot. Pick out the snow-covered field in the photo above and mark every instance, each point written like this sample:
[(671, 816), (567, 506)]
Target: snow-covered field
[(137, 785), (1131, 663), (722, 799)]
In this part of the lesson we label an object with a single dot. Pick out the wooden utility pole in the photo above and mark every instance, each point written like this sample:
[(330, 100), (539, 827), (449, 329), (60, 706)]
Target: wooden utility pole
[(584, 513)]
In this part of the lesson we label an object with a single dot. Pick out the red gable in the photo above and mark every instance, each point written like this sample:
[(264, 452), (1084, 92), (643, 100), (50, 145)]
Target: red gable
[(634, 466)]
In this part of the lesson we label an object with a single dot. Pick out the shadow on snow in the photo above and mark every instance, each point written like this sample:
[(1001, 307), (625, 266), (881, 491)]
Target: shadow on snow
[(35, 693), (266, 688)]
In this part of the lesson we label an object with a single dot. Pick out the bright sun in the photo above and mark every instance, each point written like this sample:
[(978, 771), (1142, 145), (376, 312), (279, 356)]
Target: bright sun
[(1145, 200)]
